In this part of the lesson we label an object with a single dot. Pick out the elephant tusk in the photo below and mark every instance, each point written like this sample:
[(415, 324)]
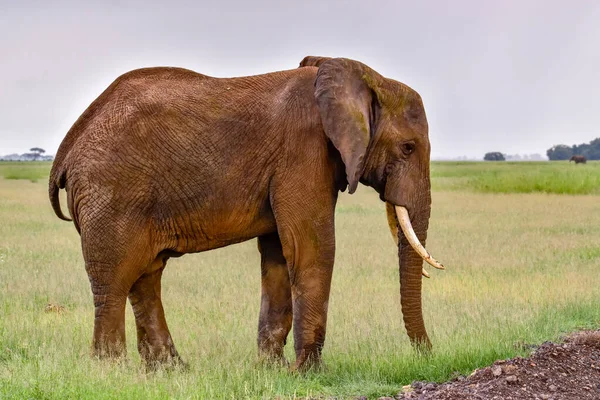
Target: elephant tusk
[(425, 273), (411, 236), (392, 222)]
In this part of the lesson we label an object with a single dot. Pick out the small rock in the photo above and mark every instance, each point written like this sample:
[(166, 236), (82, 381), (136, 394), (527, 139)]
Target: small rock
[(552, 388), (511, 379), (496, 370), (509, 369), (406, 389), (544, 396), (455, 376), (417, 385), (430, 386)]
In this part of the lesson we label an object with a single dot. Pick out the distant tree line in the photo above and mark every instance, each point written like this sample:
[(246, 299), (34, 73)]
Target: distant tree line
[(498, 156), (37, 154), (590, 150)]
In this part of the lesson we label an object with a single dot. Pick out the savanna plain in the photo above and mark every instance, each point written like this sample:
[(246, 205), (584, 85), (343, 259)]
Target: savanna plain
[(521, 243)]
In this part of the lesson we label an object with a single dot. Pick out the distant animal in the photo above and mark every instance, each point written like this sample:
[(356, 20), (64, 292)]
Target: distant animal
[(167, 161), (578, 159)]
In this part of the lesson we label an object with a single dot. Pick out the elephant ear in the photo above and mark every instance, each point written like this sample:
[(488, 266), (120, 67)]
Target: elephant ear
[(313, 61), (345, 93)]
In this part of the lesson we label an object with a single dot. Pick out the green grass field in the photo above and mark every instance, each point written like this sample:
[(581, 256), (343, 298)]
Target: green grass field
[(522, 268), (558, 177)]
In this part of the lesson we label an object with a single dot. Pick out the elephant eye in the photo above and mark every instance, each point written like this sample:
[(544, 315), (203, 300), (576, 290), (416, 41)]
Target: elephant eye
[(408, 148)]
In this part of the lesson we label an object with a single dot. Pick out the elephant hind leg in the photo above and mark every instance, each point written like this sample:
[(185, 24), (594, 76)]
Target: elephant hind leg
[(115, 256), (110, 285), (275, 320), (155, 344)]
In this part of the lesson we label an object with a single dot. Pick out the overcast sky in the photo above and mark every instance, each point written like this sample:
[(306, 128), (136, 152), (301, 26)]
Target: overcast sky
[(509, 76)]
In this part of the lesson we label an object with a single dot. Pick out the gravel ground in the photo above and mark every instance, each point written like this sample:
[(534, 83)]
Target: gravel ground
[(568, 370)]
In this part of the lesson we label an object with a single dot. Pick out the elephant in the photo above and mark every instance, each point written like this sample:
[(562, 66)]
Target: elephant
[(578, 159), (167, 161)]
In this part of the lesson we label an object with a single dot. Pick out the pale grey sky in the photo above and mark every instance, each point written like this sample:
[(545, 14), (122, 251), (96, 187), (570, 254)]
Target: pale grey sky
[(510, 76)]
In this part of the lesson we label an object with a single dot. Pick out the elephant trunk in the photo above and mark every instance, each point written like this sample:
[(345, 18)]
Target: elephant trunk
[(410, 235)]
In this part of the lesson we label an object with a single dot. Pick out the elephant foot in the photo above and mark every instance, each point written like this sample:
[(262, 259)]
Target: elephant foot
[(105, 349), (160, 356), (272, 359), (168, 364), (306, 362)]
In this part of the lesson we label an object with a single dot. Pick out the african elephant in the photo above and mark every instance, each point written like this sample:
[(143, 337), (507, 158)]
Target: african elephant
[(578, 159), (167, 161)]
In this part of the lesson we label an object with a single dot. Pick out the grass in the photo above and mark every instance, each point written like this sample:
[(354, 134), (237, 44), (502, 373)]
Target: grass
[(522, 268), (31, 171), (560, 177)]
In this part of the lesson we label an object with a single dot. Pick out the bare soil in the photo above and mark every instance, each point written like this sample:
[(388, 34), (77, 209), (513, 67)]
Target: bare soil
[(568, 370)]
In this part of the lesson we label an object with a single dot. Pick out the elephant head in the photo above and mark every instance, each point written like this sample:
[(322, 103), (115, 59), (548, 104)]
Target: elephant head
[(379, 127)]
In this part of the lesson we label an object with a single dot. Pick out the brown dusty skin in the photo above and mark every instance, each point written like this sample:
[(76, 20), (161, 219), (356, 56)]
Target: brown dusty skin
[(167, 161)]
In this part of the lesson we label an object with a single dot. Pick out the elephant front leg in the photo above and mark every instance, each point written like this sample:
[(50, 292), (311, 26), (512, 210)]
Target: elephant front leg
[(275, 320), (304, 211), (309, 250), (310, 293)]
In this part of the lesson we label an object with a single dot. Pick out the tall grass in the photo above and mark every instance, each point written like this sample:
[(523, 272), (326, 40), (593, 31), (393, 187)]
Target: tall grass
[(522, 268), (558, 177), (31, 171)]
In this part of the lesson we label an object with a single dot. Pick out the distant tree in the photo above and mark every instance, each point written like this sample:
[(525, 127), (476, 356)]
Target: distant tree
[(36, 152), (560, 152), (593, 152), (494, 156)]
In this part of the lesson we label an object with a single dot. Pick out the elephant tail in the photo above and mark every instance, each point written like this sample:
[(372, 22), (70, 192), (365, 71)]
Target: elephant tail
[(56, 182)]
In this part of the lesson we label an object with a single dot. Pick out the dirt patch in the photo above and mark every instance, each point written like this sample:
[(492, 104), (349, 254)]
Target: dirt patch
[(569, 370)]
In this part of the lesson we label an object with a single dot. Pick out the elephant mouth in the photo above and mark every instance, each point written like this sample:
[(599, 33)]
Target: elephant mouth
[(402, 219)]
